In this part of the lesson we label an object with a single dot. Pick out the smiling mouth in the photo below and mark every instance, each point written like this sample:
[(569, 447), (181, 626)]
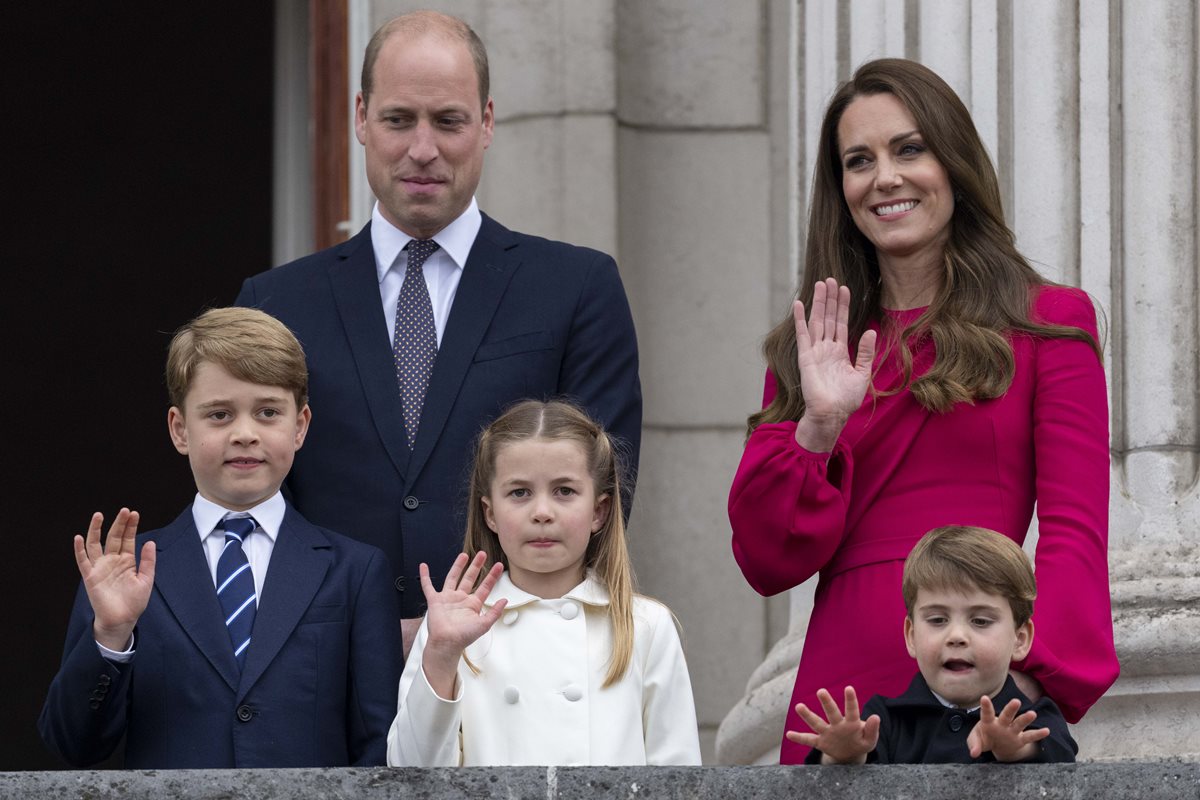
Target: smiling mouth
[(894, 208), (244, 462)]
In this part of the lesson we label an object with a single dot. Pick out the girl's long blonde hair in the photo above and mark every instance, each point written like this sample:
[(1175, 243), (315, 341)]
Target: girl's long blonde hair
[(607, 555), (987, 286)]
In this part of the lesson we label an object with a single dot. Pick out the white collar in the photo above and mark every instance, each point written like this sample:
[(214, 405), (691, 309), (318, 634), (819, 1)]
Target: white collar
[(268, 514), (456, 239), (590, 592)]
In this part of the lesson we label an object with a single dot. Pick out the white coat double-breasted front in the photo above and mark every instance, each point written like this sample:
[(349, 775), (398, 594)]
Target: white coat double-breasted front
[(537, 698)]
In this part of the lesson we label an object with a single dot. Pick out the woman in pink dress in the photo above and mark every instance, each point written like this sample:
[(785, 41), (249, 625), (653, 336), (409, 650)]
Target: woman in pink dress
[(936, 379)]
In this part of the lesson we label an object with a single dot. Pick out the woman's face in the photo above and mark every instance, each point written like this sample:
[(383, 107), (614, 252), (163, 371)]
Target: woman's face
[(898, 192)]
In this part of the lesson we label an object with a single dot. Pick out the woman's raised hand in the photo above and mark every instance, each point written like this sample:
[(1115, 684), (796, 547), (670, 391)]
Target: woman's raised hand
[(456, 617), (832, 386)]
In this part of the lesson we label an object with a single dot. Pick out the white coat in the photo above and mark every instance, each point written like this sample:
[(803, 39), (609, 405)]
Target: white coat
[(537, 698)]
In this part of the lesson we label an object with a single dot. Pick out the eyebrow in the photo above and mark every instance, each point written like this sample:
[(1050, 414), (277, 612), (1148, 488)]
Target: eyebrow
[(223, 402), (899, 137)]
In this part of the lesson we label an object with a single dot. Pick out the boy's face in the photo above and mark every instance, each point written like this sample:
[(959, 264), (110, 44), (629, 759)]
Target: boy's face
[(964, 642), (239, 437)]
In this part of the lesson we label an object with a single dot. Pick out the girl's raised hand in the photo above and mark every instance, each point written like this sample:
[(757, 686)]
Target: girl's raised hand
[(843, 739), (456, 617), (832, 386)]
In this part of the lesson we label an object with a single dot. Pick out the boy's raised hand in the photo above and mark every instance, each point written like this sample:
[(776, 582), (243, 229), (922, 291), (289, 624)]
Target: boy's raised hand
[(844, 739), (1005, 735), (456, 617), (117, 587)]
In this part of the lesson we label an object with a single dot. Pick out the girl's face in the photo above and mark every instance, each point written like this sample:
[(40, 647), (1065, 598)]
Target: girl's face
[(542, 505), (897, 191)]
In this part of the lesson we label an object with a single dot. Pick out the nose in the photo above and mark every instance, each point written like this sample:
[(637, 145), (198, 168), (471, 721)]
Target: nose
[(244, 431), (887, 177), (542, 511), (423, 148), (956, 634)]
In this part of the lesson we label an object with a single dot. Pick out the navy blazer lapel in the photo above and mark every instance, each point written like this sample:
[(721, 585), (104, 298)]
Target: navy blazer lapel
[(489, 268), (184, 581), (301, 557), (355, 285)]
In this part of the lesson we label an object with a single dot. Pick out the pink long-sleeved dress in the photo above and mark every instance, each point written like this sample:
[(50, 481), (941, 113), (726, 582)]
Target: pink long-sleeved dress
[(898, 471)]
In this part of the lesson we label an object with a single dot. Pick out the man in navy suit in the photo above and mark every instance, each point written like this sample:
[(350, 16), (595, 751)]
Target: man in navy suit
[(516, 316), (240, 635)]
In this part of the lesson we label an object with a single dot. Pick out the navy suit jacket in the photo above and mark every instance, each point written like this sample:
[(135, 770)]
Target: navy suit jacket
[(531, 318), (318, 688)]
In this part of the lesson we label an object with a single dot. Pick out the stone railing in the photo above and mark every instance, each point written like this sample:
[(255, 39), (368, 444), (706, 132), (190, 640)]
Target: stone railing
[(1144, 780)]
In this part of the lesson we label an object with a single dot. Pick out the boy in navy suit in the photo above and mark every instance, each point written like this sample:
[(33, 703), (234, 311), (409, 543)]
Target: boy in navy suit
[(969, 593), (241, 635)]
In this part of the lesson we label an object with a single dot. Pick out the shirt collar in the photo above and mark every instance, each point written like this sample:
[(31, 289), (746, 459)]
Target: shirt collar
[(590, 592), (268, 514), (456, 239)]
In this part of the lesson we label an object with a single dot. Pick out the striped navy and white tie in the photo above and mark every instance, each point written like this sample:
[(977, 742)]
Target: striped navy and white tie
[(235, 586)]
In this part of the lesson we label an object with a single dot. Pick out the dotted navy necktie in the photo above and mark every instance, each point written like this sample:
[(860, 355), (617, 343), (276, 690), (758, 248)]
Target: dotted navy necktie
[(415, 344), (235, 586)]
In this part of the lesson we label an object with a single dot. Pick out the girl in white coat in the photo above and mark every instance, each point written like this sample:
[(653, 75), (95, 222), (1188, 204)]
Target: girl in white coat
[(550, 658)]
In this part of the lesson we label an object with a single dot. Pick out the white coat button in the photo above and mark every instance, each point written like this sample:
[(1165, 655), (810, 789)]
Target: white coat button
[(573, 693), (511, 694), (510, 617), (569, 611)]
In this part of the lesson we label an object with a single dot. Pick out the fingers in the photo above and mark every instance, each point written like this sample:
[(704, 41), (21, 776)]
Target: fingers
[(455, 572), (803, 337), (851, 704), (491, 614), (93, 548), (118, 542), (807, 739), (816, 320), (975, 742), (811, 718), (467, 584), (831, 710), (842, 331), (987, 712), (870, 731), (1035, 735), (81, 558), (832, 300), (149, 559), (866, 353), (489, 581), (1009, 713)]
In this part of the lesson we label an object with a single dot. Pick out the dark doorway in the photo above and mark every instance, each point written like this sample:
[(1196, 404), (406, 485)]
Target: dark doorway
[(139, 148)]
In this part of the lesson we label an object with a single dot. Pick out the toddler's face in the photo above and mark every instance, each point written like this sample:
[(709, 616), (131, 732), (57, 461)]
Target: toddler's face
[(964, 642)]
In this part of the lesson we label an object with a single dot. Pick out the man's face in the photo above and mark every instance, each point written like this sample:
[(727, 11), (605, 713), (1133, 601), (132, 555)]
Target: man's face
[(424, 131)]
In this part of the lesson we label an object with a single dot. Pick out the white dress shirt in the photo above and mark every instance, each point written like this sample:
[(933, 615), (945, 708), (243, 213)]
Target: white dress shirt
[(537, 698), (443, 268), (258, 546)]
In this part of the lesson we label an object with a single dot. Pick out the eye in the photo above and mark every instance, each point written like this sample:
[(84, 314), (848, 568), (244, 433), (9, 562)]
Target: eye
[(450, 122), (935, 619), (566, 491), (270, 413), (911, 149), (855, 162), (219, 416), (519, 492), (981, 622)]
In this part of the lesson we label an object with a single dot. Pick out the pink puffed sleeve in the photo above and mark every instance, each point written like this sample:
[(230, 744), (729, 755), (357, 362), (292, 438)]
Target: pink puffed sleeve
[(1073, 654), (787, 506)]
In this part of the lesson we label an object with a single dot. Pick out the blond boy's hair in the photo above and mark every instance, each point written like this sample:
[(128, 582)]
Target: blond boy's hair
[(249, 344), (965, 557)]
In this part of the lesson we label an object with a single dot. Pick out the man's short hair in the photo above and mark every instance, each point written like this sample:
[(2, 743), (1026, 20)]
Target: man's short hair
[(249, 344), (427, 22), (965, 557)]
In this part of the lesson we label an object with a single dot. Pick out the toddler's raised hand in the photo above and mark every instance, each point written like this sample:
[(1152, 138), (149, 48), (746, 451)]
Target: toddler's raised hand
[(844, 739), (1005, 735), (456, 617)]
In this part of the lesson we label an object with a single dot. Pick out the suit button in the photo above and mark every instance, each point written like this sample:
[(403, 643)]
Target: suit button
[(573, 693), (511, 695), (411, 503), (569, 611), (97, 695), (94, 705), (510, 617), (399, 584), (956, 723), (105, 680), (245, 713)]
